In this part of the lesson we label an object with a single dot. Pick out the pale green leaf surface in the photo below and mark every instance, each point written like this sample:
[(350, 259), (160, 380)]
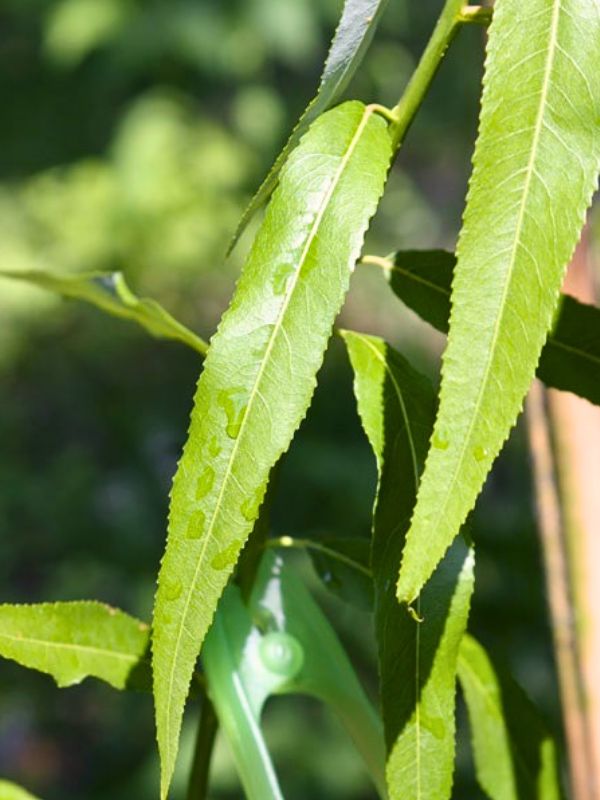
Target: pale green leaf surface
[(515, 755), (417, 660), (109, 292), (10, 791), (257, 383), (73, 640), (353, 35), (570, 359), (535, 169)]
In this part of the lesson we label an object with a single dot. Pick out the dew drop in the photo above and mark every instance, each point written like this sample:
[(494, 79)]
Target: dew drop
[(195, 527), (281, 654), (435, 725), (480, 453), (440, 442), (205, 482), (233, 402), (228, 556), (173, 590), (251, 505), (280, 278)]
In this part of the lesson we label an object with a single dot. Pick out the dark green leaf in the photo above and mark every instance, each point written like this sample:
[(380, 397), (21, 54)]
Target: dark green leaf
[(570, 359), (417, 660), (353, 36), (109, 292), (71, 641), (535, 169), (344, 566), (257, 383), (515, 756)]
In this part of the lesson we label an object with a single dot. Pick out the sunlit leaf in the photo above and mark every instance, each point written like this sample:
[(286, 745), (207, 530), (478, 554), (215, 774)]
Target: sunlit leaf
[(535, 169), (515, 756), (10, 791), (75, 640), (570, 359), (353, 35), (417, 660), (109, 292), (257, 383)]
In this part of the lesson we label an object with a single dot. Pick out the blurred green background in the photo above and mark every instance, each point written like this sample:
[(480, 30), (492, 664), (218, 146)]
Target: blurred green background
[(134, 132)]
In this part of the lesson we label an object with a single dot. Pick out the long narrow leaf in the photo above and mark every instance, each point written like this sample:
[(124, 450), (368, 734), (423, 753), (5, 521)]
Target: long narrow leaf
[(515, 756), (535, 169), (257, 383), (570, 359), (417, 660), (109, 292), (10, 791), (352, 37), (74, 640)]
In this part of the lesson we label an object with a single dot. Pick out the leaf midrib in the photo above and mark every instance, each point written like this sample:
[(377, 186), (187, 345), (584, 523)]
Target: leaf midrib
[(253, 394), (413, 453), (119, 654), (530, 170)]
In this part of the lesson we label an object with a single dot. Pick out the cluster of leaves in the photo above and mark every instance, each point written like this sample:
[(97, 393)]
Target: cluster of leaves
[(536, 166)]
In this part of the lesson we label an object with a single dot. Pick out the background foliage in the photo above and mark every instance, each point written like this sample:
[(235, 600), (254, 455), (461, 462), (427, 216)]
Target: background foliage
[(133, 135)]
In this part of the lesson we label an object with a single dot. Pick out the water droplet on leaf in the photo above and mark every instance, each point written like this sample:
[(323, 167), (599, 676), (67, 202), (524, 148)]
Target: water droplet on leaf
[(440, 442), (281, 654), (480, 453), (228, 556), (195, 527), (205, 482), (280, 278), (234, 403), (251, 505), (173, 590)]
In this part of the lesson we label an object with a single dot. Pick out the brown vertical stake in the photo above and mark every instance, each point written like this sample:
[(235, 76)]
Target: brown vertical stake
[(564, 438)]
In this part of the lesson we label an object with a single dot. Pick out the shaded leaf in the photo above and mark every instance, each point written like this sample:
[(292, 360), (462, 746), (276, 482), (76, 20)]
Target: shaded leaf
[(109, 292), (10, 791), (75, 640), (570, 359), (515, 756), (417, 660), (353, 36), (535, 169), (257, 383), (343, 564)]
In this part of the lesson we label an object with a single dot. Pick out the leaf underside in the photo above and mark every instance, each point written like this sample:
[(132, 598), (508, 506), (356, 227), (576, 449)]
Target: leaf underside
[(417, 660), (75, 640), (109, 292), (570, 359), (535, 169), (353, 35), (258, 379), (515, 756)]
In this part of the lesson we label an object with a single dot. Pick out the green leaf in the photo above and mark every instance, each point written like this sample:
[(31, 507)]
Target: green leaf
[(342, 563), (257, 383), (10, 791), (515, 756), (417, 660), (570, 359), (353, 36), (535, 169), (109, 292), (74, 640)]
